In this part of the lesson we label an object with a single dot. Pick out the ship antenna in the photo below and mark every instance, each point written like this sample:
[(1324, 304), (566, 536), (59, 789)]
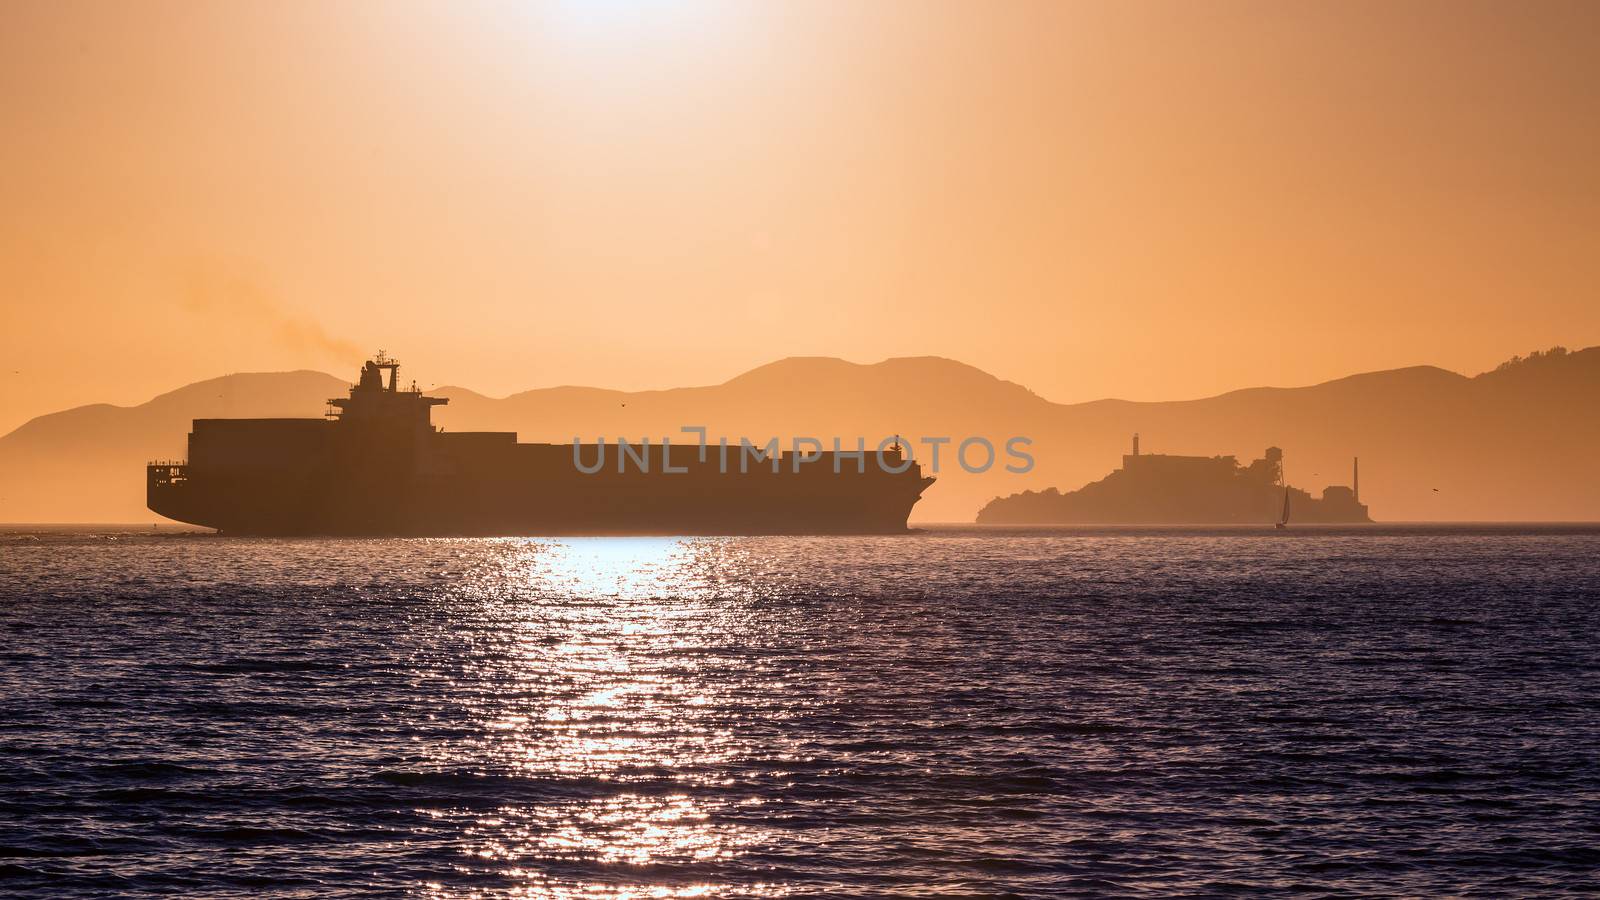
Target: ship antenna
[(896, 447)]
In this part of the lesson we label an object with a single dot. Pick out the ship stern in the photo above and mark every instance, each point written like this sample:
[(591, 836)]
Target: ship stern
[(167, 491)]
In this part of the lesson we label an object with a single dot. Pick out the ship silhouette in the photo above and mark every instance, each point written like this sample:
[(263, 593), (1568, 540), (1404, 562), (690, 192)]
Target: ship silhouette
[(376, 465)]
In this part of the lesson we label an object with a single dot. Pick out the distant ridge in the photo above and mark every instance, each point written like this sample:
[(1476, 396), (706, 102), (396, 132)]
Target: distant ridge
[(1516, 443), (262, 394)]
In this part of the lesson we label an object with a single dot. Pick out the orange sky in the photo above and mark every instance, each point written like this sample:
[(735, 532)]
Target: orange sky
[(1155, 200)]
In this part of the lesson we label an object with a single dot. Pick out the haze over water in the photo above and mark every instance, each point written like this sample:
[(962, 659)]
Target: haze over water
[(1384, 709)]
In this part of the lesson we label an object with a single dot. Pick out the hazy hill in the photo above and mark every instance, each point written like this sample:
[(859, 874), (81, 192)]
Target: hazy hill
[(1516, 443), (87, 464)]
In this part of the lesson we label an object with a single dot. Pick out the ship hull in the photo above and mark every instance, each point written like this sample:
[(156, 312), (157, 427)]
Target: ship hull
[(538, 501)]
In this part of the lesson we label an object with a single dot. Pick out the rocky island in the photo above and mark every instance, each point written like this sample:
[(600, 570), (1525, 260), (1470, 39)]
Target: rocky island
[(1159, 489)]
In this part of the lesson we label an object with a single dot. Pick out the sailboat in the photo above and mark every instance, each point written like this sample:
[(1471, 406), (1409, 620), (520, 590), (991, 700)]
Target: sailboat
[(1283, 521)]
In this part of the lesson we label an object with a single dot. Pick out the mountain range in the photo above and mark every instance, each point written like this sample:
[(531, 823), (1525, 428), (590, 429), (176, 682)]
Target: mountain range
[(1518, 443)]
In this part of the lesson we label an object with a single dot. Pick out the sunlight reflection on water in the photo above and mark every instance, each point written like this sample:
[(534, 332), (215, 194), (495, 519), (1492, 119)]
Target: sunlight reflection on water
[(606, 682)]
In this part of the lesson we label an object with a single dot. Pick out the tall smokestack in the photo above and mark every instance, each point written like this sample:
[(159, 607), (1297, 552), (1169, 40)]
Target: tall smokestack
[(1355, 480), (1136, 443)]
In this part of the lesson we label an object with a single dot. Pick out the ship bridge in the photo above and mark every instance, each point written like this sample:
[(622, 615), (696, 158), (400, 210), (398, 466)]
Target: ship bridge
[(379, 398)]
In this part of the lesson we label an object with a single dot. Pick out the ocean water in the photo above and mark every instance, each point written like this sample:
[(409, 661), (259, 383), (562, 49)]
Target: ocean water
[(957, 713)]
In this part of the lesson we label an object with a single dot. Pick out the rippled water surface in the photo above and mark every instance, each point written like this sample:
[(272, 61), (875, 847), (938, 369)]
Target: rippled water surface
[(960, 712)]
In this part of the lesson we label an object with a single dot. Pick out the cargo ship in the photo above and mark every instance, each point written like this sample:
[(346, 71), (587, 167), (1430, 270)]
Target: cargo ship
[(376, 465)]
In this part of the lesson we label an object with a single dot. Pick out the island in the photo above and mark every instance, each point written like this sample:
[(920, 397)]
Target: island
[(1160, 489)]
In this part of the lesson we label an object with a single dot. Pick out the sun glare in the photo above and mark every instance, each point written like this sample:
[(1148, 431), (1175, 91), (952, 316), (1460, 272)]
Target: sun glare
[(602, 18)]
